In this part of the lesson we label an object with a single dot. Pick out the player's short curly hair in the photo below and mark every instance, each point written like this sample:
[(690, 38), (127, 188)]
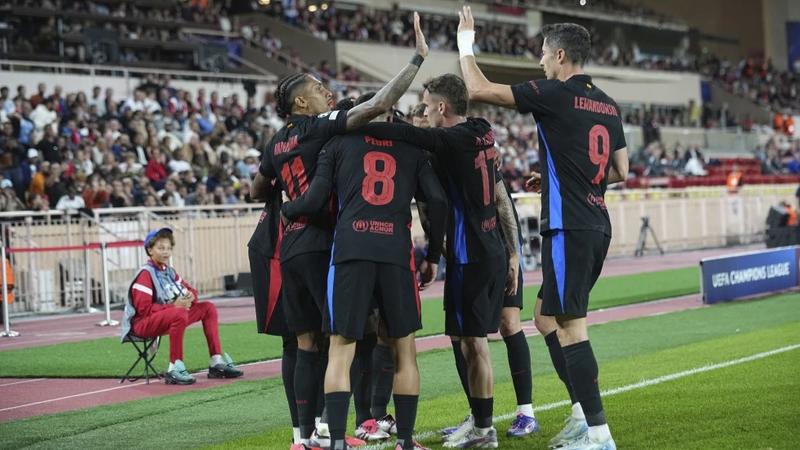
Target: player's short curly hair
[(573, 38), (451, 88), (286, 92)]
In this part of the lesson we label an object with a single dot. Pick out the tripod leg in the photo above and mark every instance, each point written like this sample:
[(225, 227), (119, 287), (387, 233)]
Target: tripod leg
[(655, 238), (641, 242)]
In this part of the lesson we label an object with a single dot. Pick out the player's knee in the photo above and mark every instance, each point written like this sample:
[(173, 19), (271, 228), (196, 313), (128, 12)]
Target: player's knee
[(570, 336), (306, 342), (180, 317), (510, 324), (544, 324), (474, 347)]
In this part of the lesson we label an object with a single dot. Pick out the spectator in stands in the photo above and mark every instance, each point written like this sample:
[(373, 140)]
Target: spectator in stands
[(734, 180), (160, 303), (8, 198), (70, 200)]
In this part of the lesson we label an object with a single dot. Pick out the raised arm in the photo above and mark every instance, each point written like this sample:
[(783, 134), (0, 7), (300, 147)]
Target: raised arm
[(313, 199), (619, 166), (388, 95), (480, 89), (508, 223)]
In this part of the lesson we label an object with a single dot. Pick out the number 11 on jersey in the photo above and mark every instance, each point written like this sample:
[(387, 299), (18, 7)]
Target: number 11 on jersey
[(481, 164)]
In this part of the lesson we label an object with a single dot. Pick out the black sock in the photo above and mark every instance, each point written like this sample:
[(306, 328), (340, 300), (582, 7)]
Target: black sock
[(583, 371), (383, 379), (323, 366), (461, 367), (337, 404), (405, 407), (482, 410), (361, 378), (288, 363), (519, 361), (559, 363), (306, 388)]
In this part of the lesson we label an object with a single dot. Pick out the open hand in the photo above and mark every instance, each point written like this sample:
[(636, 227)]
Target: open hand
[(465, 20), (534, 183), (422, 46)]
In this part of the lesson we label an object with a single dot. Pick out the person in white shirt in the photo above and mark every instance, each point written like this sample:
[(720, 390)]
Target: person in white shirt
[(71, 200)]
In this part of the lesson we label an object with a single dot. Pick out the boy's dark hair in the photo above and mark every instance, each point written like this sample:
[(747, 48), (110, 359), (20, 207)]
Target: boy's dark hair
[(451, 88), (286, 92), (573, 38)]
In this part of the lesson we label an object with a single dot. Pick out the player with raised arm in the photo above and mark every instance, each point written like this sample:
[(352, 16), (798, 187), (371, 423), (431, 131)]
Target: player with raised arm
[(477, 269), (291, 158), (371, 260), (582, 147)]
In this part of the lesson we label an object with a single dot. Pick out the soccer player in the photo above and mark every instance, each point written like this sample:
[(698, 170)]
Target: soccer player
[(291, 158), (582, 146), (265, 266), (477, 270), (375, 180)]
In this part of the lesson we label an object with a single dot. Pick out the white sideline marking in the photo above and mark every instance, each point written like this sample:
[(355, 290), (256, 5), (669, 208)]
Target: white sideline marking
[(82, 394), (22, 382), (630, 387)]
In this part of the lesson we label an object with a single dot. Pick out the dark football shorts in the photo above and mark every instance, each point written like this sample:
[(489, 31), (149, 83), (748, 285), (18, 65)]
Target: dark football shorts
[(571, 263), (356, 287), (304, 278), (473, 297), (266, 275)]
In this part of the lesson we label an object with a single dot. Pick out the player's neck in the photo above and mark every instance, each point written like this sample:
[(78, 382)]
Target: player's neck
[(451, 121), (568, 72)]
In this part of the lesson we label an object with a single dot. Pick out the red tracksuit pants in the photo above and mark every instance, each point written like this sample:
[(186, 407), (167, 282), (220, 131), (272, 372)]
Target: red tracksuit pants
[(173, 321)]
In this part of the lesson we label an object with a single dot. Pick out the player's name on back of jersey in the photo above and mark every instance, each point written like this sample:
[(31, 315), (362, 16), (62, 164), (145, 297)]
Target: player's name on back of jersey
[(594, 106)]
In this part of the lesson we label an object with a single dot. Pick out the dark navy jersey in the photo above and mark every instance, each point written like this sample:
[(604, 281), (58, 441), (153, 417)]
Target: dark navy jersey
[(266, 237), (291, 158), (466, 157), (579, 128), (375, 180)]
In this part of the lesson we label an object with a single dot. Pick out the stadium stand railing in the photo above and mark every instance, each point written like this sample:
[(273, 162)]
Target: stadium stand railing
[(65, 273)]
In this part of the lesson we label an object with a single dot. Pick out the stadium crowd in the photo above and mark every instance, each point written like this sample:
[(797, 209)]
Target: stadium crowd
[(169, 147), (160, 147)]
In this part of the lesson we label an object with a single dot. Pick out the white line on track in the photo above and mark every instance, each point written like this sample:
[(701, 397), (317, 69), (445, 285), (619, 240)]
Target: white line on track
[(619, 390), (82, 394), (22, 382)]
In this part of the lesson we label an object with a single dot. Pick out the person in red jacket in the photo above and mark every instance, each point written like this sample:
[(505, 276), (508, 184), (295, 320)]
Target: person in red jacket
[(161, 302)]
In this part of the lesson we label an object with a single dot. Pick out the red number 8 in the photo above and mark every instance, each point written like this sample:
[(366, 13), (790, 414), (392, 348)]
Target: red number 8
[(375, 176), (598, 136)]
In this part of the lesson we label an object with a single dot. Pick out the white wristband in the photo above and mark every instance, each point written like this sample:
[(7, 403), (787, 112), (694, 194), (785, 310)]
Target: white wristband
[(465, 40)]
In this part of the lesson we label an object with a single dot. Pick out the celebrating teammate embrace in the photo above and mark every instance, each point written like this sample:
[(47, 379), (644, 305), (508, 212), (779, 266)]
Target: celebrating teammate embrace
[(291, 159)]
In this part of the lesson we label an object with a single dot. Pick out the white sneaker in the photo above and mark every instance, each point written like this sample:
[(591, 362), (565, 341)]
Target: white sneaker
[(585, 443), (473, 439), (321, 437), (369, 430), (461, 430), (573, 430), (387, 424)]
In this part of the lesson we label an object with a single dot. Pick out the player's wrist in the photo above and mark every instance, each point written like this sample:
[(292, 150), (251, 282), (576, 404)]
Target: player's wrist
[(417, 60), (465, 39)]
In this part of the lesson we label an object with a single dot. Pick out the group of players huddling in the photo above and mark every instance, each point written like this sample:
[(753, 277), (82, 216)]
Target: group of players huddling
[(333, 268)]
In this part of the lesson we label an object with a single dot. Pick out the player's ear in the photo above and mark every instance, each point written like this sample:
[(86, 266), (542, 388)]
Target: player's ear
[(300, 101)]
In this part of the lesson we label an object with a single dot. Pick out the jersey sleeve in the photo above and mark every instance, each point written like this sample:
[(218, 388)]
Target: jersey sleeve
[(331, 123), (534, 96), (434, 196), (313, 199), (266, 168), (431, 139), (619, 138)]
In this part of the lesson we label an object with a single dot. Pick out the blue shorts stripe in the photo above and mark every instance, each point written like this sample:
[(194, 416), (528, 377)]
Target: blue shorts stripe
[(559, 256)]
